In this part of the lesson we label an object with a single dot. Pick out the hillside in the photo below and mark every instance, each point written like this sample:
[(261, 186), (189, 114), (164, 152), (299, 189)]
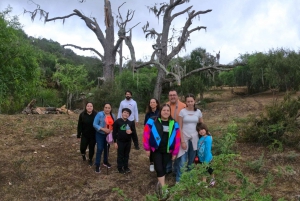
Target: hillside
[(40, 159)]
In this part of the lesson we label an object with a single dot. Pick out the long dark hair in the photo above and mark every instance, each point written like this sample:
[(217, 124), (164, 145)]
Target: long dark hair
[(191, 96), (86, 105), (110, 110), (165, 105), (149, 109)]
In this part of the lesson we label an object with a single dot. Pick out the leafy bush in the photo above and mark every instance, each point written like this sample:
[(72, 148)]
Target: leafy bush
[(277, 124)]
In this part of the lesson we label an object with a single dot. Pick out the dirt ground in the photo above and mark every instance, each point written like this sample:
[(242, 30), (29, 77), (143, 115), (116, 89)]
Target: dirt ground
[(40, 158)]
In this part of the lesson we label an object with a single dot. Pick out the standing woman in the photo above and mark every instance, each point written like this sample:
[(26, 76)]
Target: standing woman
[(152, 111), (103, 123), (162, 137), (188, 119), (86, 132)]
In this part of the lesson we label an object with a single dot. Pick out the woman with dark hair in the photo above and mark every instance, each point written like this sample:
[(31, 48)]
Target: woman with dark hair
[(162, 137), (188, 119), (86, 132), (103, 123), (152, 111)]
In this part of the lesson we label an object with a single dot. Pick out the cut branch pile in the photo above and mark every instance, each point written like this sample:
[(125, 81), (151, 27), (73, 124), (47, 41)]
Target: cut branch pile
[(30, 109)]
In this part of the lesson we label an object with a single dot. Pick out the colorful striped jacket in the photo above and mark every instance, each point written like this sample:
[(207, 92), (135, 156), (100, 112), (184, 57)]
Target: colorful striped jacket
[(151, 137)]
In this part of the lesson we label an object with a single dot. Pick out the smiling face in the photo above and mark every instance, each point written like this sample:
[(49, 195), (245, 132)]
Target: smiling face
[(107, 108), (89, 108), (165, 112), (173, 97), (153, 104), (190, 102)]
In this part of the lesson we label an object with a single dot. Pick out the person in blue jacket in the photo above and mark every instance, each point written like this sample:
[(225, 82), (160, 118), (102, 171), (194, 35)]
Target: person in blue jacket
[(103, 123), (204, 150)]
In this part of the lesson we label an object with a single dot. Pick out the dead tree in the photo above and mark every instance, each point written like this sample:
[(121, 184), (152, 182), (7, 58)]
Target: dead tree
[(106, 40), (165, 47)]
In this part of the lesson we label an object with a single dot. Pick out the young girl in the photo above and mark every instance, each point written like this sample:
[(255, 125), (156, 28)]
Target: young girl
[(204, 150)]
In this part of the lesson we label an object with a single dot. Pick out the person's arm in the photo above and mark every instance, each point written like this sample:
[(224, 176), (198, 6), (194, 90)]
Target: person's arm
[(207, 151), (182, 142), (146, 137), (201, 120), (115, 131), (79, 126), (146, 118), (200, 117), (136, 113), (177, 142), (96, 123), (120, 111)]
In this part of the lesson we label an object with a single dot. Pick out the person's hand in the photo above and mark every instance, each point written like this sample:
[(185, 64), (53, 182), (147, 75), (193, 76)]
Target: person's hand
[(128, 131), (173, 157), (106, 130), (116, 145), (148, 153), (136, 124), (183, 145)]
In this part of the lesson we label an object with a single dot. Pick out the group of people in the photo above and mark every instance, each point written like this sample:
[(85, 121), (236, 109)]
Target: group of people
[(93, 129), (174, 134)]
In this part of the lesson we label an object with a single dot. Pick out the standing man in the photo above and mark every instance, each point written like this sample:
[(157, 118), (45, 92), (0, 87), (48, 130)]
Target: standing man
[(128, 102), (175, 103), (176, 107)]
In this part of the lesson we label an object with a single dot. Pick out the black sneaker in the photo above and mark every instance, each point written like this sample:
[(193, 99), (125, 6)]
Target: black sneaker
[(108, 165), (137, 148), (83, 157), (90, 162), (97, 169), (127, 170), (121, 171)]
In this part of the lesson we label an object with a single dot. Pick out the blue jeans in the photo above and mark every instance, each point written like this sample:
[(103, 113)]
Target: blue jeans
[(188, 157), (101, 145)]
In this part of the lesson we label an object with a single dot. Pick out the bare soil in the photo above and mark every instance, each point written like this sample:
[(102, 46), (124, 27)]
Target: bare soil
[(40, 158)]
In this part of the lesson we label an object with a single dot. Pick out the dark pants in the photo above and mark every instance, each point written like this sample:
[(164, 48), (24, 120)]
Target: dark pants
[(123, 154), (209, 169), (160, 162), (101, 147), (87, 142), (151, 157)]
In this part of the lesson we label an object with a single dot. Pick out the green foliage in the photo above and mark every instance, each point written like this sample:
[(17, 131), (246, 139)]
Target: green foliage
[(48, 98), (276, 146), (256, 165), (73, 79), (277, 125), (226, 143), (108, 92), (19, 71), (231, 183)]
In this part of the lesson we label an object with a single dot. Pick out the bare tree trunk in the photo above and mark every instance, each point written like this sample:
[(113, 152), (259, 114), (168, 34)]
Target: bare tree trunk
[(158, 84)]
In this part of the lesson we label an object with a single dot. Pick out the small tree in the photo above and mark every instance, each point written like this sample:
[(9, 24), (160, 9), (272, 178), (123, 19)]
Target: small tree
[(72, 79)]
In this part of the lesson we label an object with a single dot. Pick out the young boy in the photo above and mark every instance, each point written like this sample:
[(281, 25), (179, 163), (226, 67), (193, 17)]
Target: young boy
[(123, 132)]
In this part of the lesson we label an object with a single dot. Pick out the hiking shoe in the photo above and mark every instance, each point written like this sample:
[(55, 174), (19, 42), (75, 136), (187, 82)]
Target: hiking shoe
[(137, 148), (97, 169), (127, 170), (83, 157), (212, 182), (151, 167), (90, 162), (121, 171), (108, 165)]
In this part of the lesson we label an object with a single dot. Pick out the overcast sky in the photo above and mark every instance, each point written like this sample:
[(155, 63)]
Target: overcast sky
[(233, 27)]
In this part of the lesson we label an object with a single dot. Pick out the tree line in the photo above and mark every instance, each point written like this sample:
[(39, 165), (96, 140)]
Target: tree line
[(41, 69)]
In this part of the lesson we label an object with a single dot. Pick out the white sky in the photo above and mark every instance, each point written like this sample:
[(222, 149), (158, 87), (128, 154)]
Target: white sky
[(233, 27)]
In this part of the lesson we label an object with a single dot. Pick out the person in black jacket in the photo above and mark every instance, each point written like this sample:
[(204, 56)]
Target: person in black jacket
[(86, 132), (152, 111), (123, 131)]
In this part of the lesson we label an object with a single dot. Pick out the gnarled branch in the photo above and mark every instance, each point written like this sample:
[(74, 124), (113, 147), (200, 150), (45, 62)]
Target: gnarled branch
[(84, 49)]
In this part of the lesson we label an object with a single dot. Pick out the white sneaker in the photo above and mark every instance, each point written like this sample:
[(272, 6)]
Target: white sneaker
[(151, 168)]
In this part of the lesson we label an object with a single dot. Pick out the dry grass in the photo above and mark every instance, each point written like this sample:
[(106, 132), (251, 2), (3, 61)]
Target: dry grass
[(40, 159)]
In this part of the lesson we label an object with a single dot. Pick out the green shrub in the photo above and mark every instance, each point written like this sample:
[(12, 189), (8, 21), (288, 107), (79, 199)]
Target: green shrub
[(278, 124)]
